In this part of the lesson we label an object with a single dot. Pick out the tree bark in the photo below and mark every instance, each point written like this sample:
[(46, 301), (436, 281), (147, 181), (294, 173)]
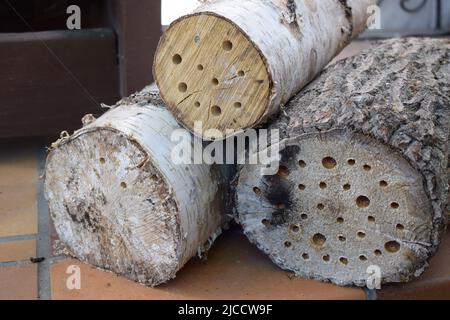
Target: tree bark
[(231, 64), (118, 200), (363, 177)]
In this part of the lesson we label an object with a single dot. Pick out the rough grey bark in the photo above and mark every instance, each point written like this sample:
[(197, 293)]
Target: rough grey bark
[(363, 177)]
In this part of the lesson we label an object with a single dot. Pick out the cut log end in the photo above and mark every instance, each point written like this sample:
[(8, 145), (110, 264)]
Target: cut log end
[(340, 203), (112, 207), (207, 70)]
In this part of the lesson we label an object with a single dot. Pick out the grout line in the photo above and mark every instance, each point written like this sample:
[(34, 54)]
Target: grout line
[(56, 259), (43, 241), (371, 295), (15, 263), (18, 238)]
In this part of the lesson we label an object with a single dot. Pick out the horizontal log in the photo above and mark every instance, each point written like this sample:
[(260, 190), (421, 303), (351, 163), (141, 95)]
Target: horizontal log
[(231, 64), (120, 201), (363, 178)]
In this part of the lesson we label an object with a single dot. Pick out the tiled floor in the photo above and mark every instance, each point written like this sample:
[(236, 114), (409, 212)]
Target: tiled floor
[(18, 219), (18, 282), (18, 189)]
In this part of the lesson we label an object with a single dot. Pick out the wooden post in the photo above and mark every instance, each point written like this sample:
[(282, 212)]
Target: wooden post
[(363, 177), (138, 27)]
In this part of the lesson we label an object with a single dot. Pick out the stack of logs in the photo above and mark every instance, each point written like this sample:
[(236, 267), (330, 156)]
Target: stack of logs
[(364, 153)]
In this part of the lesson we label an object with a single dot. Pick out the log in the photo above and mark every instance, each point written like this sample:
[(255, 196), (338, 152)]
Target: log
[(120, 202), (232, 63), (362, 179)]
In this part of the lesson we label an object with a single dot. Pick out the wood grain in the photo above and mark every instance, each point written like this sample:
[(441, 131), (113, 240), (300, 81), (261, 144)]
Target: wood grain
[(209, 71)]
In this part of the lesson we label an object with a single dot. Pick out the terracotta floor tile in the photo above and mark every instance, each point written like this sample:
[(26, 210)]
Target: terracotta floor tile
[(18, 178), (18, 283), (433, 285), (17, 250), (234, 270)]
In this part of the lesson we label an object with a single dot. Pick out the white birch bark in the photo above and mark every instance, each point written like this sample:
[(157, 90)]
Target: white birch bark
[(119, 202), (296, 38)]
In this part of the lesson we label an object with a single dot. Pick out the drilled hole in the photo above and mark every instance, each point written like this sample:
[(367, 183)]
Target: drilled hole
[(323, 185), (302, 187), (351, 162), (378, 253), (340, 220), (266, 222), (326, 258), (362, 258), (215, 81), (305, 256), (400, 227), (176, 59), (371, 218), (216, 111), (363, 202), (237, 105), (302, 164), (343, 260), (283, 171), (200, 67), (295, 228), (347, 187), (383, 184), (241, 73), (304, 216), (367, 167), (320, 206), (288, 244), (197, 104), (319, 239), (123, 185), (342, 238), (392, 246), (329, 163), (257, 190), (361, 234), (227, 45), (281, 206), (102, 160), (395, 205), (182, 87)]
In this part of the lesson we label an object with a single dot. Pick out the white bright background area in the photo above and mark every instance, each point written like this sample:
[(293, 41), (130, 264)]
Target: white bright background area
[(173, 9)]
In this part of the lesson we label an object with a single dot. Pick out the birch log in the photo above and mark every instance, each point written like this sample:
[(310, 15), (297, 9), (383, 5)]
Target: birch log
[(232, 63), (362, 180), (119, 201)]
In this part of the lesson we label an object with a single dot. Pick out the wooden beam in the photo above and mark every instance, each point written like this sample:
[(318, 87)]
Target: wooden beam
[(49, 80)]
